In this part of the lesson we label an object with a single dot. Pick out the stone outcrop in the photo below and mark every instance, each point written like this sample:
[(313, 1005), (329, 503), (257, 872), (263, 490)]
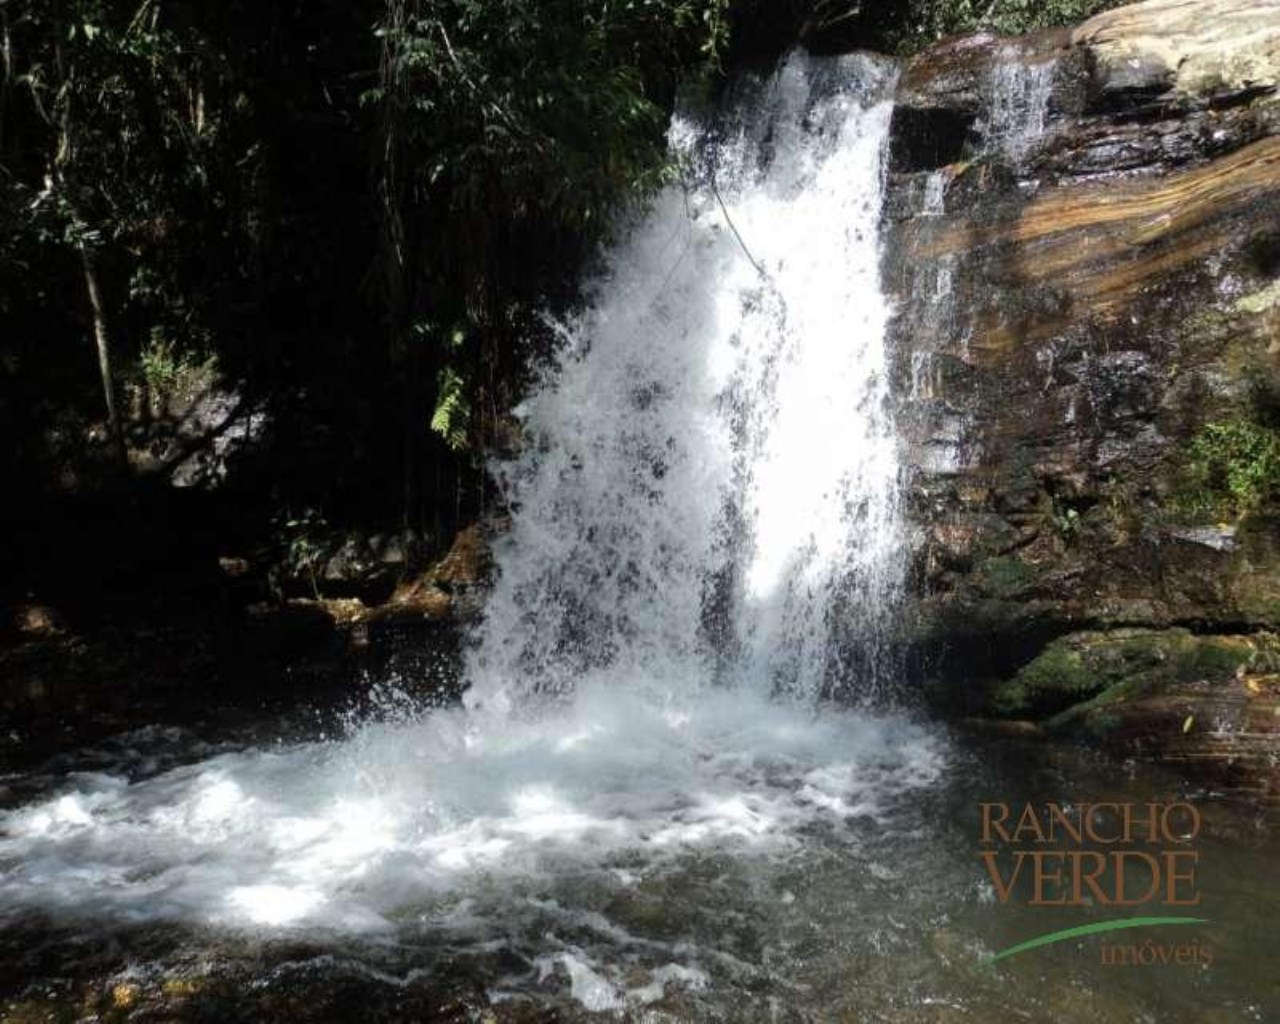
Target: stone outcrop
[(1084, 243), (1208, 704), (1190, 46)]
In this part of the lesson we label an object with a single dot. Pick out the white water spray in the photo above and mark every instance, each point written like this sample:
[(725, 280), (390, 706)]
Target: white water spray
[(711, 480), (1018, 115)]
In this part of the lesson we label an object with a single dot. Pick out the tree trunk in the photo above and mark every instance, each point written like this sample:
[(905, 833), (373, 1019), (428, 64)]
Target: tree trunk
[(6, 74), (103, 339)]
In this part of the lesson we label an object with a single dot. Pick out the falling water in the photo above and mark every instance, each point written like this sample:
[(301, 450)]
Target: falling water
[(1018, 112), (934, 201), (710, 483), (943, 304), (704, 540)]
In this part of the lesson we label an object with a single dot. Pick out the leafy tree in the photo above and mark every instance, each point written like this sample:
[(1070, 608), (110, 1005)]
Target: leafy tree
[(509, 133), (763, 28), (356, 210), (95, 81)]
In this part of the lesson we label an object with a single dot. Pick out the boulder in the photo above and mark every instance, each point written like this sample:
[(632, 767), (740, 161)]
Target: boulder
[(1071, 312), (1209, 704), (1196, 47)]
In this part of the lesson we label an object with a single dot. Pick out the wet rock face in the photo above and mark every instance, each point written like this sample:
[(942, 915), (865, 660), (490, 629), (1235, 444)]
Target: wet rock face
[(1079, 225)]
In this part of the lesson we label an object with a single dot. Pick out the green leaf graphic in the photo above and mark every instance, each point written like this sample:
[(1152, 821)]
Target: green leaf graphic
[(1091, 929)]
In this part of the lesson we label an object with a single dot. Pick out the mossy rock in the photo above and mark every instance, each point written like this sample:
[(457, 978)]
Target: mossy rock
[(1058, 676), (1084, 671), (1005, 577)]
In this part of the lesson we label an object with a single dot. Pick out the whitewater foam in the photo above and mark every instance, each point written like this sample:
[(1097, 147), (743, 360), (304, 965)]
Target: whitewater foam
[(355, 834)]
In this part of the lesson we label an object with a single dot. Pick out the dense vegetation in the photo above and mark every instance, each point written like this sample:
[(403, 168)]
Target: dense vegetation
[(763, 27), (330, 227)]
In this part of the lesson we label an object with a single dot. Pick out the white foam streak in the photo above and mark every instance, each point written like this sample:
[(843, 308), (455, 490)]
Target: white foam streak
[(1018, 116)]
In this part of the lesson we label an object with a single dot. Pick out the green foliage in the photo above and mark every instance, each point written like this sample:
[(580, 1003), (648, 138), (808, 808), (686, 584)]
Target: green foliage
[(511, 133), (302, 540), (170, 374), (1233, 468), (452, 416), (128, 132), (117, 148), (1017, 16), (558, 105), (291, 187), (1067, 522), (921, 22)]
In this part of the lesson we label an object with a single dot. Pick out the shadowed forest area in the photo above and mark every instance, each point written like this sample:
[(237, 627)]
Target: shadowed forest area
[(271, 275)]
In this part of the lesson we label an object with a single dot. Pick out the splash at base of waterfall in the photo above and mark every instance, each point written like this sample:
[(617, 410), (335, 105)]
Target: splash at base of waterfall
[(712, 860), (356, 834), (549, 843)]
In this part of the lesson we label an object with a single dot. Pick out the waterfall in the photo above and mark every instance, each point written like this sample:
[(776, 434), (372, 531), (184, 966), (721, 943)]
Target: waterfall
[(709, 487), (704, 538), (1018, 111)]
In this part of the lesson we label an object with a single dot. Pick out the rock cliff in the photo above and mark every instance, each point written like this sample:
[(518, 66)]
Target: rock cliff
[(1084, 245)]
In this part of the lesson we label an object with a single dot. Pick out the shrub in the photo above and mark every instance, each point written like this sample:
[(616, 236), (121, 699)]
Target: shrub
[(169, 376), (920, 22), (1234, 466)]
